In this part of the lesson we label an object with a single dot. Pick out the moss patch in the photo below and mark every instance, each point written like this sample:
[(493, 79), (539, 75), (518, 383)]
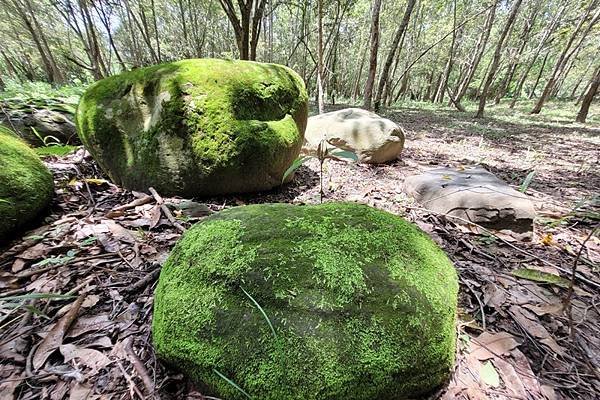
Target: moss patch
[(26, 185), (196, 127), (363, 304)]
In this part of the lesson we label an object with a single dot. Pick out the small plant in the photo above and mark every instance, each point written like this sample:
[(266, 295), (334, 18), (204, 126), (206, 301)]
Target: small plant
[(525, 185), (324, 151)]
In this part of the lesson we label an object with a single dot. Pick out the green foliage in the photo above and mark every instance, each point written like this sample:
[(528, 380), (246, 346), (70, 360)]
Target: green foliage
[(363, 304)]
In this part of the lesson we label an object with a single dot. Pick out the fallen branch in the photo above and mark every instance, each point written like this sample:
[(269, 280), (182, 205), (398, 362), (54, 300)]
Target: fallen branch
[(133, 204), (165, 210), (567, 303)]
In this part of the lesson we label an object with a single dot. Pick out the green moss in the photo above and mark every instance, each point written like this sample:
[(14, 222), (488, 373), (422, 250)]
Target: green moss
[(363, 304), (196, 127), (26, 185)]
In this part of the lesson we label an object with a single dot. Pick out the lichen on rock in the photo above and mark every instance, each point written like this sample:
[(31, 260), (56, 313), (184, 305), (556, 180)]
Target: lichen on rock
[(362, 302), (26, 185), (196, 127)]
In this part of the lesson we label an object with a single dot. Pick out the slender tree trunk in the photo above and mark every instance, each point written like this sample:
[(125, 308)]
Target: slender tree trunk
[(539, 75), (320, 100), (589, 96), (512, 68), (373, 57), (564, 56), (398, 36), (536, 54), (439, 97), (580, 80), (479, 50), (496, 59)]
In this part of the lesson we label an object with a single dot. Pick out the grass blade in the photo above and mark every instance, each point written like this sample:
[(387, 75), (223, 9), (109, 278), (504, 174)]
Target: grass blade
[(232, 383), (262, 311), (527, 182)]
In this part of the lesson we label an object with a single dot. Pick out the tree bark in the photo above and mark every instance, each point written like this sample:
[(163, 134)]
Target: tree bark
[(373, 56), (320, 100), (512, 68), (536, 54), (439, 97), (247, 26), (480, 48), (564, 56), (398, 36), (496, 59), (589, 97)]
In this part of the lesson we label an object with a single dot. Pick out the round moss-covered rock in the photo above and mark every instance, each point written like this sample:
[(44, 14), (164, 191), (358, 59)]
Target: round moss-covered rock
[(333, 301), (26, 185), (196, 127)]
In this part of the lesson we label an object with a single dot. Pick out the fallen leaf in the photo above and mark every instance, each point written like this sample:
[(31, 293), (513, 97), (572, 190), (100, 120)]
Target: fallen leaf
[(489, 375), (529, 322), (91, 358), (88, 324), (54, 338), (540, 276), (546, 308), (489, 345), (80, 391), (511, 378), (35, 252), (493, 296)]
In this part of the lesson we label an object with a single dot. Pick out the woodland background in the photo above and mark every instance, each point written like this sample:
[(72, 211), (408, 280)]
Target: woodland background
[(427, 50)]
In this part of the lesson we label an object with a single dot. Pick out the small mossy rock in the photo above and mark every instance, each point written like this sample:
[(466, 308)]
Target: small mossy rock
[(26, 185), (362, 304), (196, 127)]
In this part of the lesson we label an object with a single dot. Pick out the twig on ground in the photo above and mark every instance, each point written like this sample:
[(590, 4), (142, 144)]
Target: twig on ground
[(165, 210), (483, 325), (145, 281), (520, 250), (139, 367), (567, 303), (135, 203)]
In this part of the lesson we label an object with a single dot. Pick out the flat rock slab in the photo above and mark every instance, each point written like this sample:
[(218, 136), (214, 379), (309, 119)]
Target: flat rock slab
[(374, 139), (473, 194)]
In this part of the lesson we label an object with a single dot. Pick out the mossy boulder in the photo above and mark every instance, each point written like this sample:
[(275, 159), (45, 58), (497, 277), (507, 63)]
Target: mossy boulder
[(196, 127), (26, 185), (333, 301)]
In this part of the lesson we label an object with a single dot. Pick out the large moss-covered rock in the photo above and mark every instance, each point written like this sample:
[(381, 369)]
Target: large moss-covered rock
[(196, 127), (26, 185), (361, 302)]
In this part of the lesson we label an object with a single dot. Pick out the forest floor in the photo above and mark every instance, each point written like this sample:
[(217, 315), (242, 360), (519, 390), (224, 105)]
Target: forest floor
[(101, 250)]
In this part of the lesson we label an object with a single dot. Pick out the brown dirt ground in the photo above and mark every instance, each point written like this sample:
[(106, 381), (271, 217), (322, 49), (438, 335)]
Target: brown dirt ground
[(514, 336)]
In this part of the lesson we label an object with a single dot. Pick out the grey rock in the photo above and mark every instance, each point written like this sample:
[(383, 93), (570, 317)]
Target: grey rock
[(374, 139), (47, 122), (475, 195)]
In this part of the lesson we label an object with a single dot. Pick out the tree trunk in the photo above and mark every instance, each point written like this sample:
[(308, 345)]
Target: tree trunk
[(589, 97), (536, 54), (496, 58), (564, 57), (398, 36), (512, 68), (539, 75), (373, 57), (320, 100), (439, 97), (480, 48)]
